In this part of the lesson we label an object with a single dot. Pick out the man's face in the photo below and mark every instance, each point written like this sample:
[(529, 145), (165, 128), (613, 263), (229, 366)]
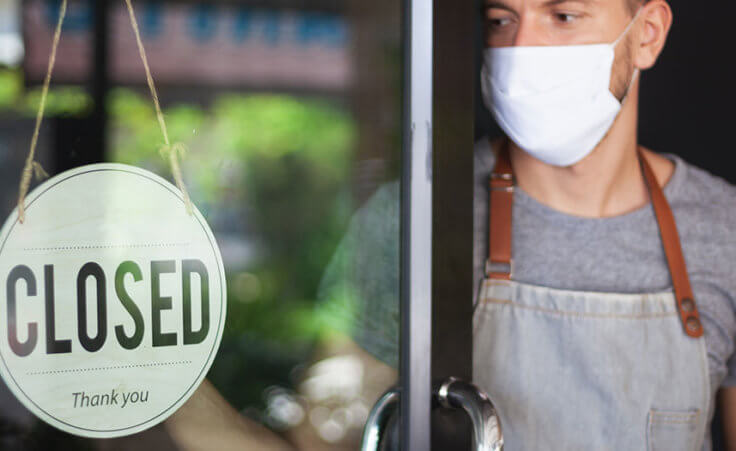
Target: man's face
[(509, 23)]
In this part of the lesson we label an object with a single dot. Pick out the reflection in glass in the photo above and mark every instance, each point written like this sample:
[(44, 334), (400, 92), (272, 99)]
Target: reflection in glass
[(291, 117)]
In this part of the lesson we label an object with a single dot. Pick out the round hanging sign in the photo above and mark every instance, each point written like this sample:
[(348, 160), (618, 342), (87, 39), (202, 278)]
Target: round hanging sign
[(112, 301)]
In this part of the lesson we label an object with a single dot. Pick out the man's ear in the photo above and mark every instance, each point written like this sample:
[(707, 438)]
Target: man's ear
[(656, 16)]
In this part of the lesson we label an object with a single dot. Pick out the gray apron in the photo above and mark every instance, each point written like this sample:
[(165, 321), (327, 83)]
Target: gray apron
[(571, 370)]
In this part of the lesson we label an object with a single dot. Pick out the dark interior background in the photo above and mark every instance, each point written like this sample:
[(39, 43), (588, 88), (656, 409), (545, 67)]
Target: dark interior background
[(687, 98)]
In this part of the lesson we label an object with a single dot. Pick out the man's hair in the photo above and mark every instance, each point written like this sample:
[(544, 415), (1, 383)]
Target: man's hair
[(634, 5)]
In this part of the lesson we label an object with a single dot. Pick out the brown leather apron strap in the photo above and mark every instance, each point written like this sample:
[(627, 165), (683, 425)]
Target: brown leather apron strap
[(673, 250), (499, 247), (501, 197)]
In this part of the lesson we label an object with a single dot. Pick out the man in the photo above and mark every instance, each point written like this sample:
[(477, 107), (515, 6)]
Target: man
[(596, 326), (606, 318)]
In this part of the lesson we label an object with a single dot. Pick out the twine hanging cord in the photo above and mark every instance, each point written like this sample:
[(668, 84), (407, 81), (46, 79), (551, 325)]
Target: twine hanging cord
[(31, 165), (172, 152), (175, 151)]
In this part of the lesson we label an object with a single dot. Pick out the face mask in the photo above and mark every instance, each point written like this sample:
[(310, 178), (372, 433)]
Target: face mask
[(553, 101)]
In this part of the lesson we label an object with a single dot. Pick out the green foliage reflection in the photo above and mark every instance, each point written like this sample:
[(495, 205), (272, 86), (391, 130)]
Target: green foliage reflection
[(61, 100), (271, 174)]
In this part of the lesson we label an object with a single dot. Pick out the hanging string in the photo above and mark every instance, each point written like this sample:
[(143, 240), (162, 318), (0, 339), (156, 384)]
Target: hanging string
[(32, 166), (173, 152)]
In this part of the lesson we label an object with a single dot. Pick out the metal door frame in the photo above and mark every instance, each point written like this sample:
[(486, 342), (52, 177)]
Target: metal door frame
[(437, 207)]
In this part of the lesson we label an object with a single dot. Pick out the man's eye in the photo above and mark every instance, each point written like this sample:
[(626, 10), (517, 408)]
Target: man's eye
[(498, 22), (565, 17)]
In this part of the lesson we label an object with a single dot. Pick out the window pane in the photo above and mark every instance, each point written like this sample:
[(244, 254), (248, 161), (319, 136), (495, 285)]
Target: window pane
[(290, 114)]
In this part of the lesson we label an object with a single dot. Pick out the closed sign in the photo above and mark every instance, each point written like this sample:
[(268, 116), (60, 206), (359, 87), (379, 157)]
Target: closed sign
[(112, 301)]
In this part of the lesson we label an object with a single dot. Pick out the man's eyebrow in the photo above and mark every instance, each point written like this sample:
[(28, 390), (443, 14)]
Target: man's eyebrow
[(501, 5), (557, 2), (496, 4)]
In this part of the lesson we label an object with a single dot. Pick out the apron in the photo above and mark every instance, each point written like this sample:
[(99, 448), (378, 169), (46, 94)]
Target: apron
[(571, 370)]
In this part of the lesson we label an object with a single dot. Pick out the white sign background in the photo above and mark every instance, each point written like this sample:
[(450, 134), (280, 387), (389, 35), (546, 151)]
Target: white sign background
[(107, 214)]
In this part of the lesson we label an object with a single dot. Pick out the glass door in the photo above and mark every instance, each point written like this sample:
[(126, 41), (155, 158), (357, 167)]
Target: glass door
[(291, 115), (439, 407)]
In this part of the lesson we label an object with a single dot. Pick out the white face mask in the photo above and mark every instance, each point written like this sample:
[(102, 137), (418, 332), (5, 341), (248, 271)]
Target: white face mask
[(553, 101)]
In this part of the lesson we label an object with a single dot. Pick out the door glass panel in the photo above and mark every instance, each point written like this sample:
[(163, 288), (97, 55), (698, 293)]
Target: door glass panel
[(290, 114)]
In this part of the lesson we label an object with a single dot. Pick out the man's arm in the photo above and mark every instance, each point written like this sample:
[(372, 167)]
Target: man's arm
[(208, 422)]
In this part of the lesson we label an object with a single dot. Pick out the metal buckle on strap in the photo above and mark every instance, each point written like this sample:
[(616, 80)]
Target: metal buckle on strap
[(499, 268), (500, 176), (509, 188)]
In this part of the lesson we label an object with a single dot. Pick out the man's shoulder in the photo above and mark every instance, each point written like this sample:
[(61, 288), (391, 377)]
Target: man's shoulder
[(705, 207), (379, 214), (701, 186), (385, 197)]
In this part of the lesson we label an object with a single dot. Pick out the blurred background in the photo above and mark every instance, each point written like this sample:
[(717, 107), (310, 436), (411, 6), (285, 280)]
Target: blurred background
[(291, 114)]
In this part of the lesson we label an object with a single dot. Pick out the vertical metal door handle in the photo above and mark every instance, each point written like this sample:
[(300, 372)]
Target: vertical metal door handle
[(453, 394), (378, 418), (458, 394)]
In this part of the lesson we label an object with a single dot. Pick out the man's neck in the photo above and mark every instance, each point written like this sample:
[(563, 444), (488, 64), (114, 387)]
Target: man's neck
[(607, 182)]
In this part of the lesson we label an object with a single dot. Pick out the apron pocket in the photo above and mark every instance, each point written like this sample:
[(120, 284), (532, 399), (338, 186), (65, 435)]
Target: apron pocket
[(672, 430)]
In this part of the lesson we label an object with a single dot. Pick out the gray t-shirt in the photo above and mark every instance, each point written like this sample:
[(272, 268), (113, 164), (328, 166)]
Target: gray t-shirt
[(620, 254)]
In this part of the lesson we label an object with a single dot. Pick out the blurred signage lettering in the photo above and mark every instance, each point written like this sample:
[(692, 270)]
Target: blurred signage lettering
[(197, 44)]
